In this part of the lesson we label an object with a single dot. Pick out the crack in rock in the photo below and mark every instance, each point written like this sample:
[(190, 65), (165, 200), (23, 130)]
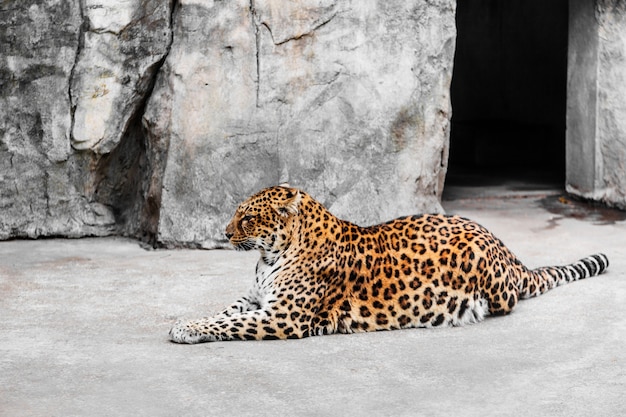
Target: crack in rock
[(305, 34), (81, 36), (257, 41)]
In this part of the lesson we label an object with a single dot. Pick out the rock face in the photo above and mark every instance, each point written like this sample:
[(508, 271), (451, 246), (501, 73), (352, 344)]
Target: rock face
[(596, 116), (123, 47), (42, 181), (349, 100), (156, 119), (72, 80)]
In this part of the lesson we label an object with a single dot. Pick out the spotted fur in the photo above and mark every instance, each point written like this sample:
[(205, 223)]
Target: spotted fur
[(320, 275)]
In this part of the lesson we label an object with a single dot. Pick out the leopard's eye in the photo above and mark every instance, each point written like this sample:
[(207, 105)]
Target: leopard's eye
[(247, 218)]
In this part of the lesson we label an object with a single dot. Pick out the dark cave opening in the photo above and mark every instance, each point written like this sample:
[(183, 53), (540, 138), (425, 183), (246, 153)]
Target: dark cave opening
[(509, 94)]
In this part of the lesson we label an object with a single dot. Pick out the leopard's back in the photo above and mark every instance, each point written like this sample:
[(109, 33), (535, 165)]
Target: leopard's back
[(420, 271)]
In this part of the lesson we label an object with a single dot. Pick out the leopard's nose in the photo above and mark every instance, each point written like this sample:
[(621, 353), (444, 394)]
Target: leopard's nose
[(230, 230)]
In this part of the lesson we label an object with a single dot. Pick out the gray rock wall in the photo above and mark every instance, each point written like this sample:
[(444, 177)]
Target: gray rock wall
[(44, 189), (122, 48), (596, 117), (156, 119), (73, 75), (612, 101), (346, 99)]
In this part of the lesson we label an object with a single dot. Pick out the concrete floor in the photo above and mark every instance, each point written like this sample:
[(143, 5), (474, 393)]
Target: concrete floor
[(83, 326)]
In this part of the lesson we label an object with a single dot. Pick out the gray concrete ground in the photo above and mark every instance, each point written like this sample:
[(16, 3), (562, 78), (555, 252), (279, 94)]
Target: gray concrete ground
[(83, 326)]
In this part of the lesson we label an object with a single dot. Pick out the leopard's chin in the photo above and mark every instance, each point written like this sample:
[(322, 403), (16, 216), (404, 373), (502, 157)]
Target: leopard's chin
[(244, 245)]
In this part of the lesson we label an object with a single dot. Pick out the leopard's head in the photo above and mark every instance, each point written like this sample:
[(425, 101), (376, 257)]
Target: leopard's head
[(265, 220)]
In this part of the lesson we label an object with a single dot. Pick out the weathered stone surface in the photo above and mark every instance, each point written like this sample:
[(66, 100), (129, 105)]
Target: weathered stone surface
[(596, 121), (42, 183), (122, 48), (612, 102), (349, 100), (64, 69), (346, 99)]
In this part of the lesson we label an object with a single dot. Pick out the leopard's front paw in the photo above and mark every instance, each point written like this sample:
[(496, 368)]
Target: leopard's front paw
[(190, 332)]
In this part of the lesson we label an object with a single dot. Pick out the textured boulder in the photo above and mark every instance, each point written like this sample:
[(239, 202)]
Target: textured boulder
[(156, 118), (348, 100), (611, 102), (42, 182), (122, 49), (596, 116), (72, 77)]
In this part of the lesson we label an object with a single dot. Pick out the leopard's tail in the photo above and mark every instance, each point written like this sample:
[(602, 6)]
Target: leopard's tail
[(543, 279)]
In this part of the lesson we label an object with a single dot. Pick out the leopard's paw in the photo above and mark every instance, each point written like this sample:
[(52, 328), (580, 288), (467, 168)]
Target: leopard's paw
[(190, 332)]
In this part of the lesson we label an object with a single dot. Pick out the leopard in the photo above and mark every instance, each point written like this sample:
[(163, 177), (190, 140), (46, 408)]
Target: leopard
[(320, 275)]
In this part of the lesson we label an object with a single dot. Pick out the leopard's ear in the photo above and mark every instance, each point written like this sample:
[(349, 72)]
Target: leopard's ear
[(290, 205)]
